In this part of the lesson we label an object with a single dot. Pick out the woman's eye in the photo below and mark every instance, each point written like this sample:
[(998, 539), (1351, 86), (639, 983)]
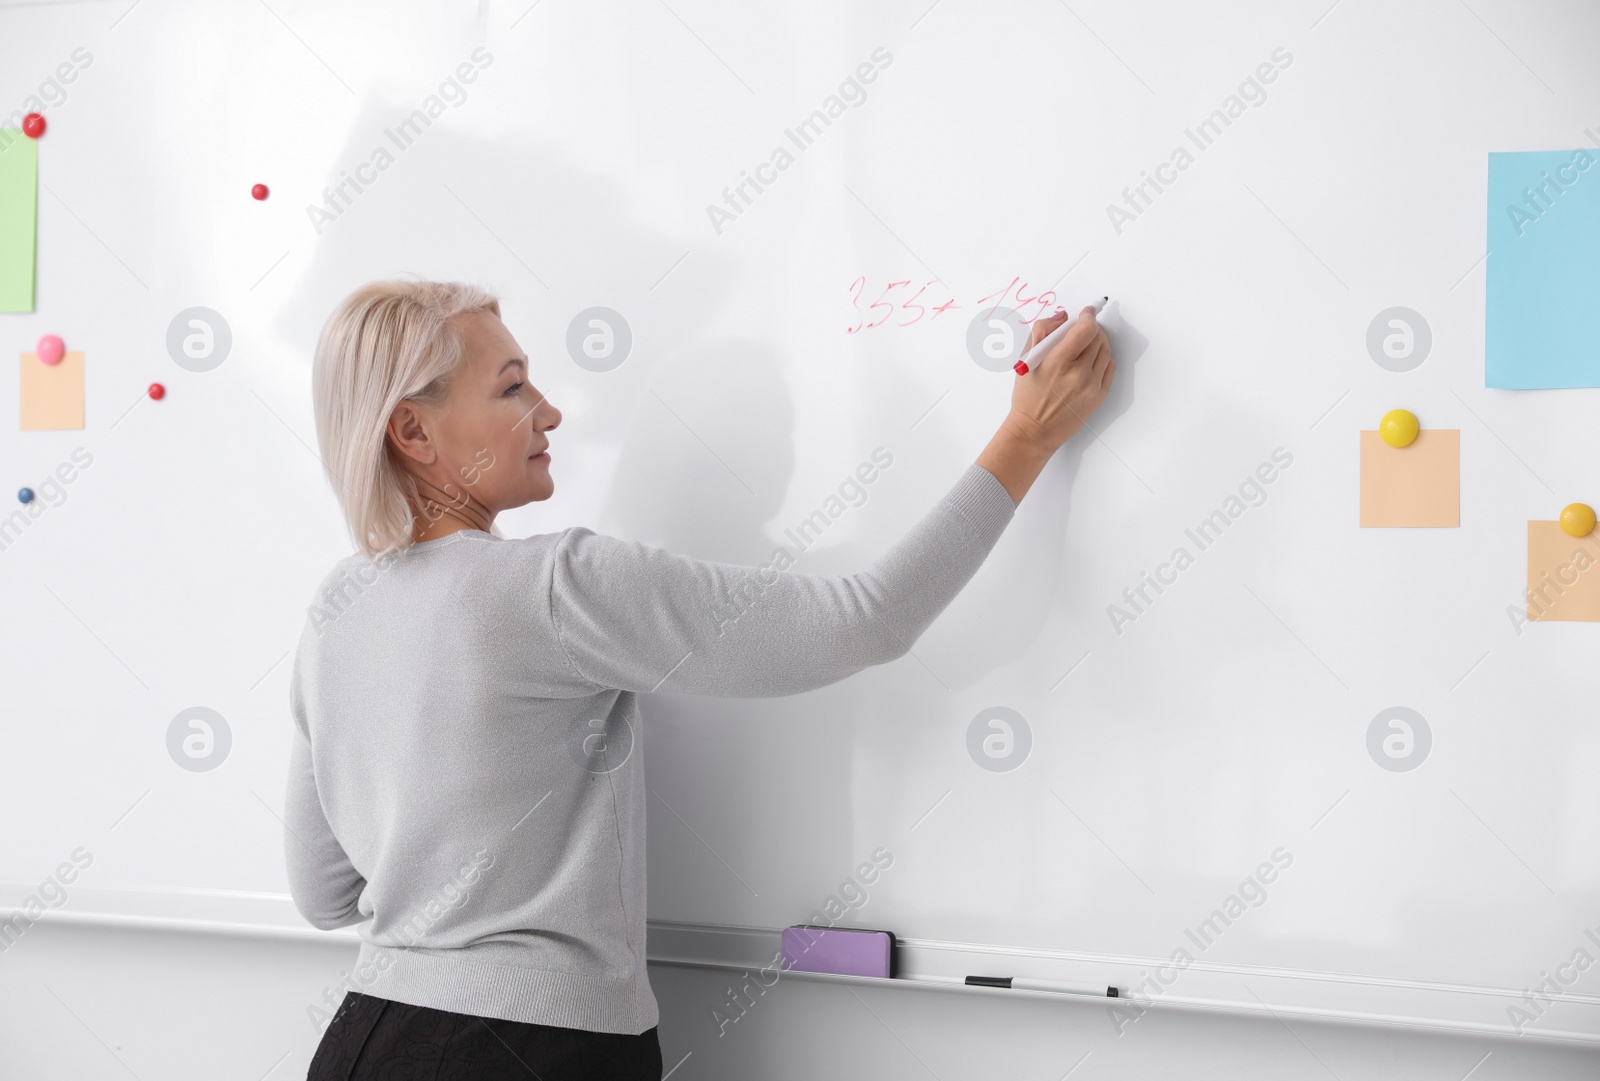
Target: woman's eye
[(513, 388)]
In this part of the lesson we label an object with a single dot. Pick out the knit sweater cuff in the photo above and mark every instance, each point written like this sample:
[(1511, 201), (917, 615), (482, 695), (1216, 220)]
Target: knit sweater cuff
[(982, 500)]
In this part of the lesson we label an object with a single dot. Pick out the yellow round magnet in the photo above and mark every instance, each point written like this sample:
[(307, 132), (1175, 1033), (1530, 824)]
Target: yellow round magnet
[(1398, 427), (1577, 519)]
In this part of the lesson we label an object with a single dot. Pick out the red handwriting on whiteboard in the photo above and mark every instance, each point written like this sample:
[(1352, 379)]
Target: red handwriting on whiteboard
[(902, 303)]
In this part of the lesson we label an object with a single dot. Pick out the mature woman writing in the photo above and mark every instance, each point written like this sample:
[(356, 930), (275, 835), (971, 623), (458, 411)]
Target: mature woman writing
[(466, 778)]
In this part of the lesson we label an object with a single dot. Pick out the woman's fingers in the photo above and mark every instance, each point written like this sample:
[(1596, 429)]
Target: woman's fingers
[(1079, 343), (1041, 327), (1102, 355)]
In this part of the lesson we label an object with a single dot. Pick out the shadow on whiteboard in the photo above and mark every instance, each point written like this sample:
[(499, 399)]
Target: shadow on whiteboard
[(1023, 591)]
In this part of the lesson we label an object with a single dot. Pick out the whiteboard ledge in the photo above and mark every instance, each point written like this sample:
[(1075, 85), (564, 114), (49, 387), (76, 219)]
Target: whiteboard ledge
[(1261, 993)]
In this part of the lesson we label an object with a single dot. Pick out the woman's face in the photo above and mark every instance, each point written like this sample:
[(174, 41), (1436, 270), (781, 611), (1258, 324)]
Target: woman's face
[(488, 439)]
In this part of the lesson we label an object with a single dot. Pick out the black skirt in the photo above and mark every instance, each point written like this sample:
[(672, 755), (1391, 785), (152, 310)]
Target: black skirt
[(374, 1039)]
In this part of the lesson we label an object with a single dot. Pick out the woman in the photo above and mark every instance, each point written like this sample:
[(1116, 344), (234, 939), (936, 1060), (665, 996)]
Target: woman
[(466, 775)]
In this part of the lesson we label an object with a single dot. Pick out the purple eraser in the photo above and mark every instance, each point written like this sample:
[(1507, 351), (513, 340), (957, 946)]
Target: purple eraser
[(842, 951)]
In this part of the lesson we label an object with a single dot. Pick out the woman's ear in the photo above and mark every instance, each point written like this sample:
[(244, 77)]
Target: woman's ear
[(408, 431)]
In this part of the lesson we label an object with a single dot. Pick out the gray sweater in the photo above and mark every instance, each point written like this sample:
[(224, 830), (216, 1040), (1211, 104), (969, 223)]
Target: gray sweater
[(466, 780)]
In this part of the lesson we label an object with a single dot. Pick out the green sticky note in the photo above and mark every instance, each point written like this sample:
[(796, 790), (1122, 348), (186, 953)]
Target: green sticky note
[(19, 204)]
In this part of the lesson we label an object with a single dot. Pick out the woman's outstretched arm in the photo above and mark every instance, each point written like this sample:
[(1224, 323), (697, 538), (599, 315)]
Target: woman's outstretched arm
[(633, 617)]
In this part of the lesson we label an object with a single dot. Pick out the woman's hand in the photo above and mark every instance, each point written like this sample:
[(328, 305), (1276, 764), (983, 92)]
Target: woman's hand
[(1051, 402)]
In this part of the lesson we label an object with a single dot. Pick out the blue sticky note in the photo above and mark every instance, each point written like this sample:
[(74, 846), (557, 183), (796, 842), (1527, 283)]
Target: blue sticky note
[(1542, 310)]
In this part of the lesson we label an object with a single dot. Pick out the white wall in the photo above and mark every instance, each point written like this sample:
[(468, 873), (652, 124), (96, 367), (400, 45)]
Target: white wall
[(80, 1003)]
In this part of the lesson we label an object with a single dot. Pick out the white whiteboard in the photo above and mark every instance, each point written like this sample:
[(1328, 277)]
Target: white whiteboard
[(1228, 721)]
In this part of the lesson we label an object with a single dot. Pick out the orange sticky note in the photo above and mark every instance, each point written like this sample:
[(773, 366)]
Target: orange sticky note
[(52, 394), (1416, 485), (1563, 574)]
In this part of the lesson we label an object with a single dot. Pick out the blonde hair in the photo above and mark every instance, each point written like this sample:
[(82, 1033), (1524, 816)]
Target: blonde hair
[(387, 342)]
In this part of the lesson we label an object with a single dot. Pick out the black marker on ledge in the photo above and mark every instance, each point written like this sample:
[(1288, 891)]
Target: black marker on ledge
[(1024, 983)]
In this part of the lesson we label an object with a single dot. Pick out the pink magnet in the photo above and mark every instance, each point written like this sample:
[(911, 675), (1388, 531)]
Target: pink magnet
[(50, 349)]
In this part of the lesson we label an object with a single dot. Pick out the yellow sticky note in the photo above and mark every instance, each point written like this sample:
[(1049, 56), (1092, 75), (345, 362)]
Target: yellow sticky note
[(1563, 574), (52, 394), (1415, 485)]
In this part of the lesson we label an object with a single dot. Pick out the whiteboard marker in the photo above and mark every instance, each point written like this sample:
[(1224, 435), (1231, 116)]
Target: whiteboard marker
[(1050, 339), (1023, 983)]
